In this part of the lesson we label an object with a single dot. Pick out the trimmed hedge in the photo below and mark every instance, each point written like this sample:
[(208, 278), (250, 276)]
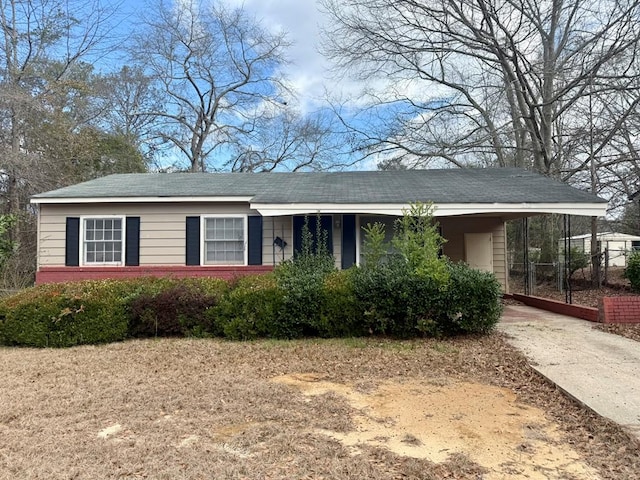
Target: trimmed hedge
[(91, 312), (388, 299), (403, 303), (63, 315), (250, 310), (179, 308), (264, 306), (473, 301)]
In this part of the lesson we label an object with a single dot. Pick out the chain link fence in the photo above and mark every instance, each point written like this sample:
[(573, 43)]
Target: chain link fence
[(534, 278)]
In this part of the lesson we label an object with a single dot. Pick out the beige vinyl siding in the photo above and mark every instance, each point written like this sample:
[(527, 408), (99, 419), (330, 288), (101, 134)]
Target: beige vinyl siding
[(162, 227), (162, 232), (273, 227), (454, 228)]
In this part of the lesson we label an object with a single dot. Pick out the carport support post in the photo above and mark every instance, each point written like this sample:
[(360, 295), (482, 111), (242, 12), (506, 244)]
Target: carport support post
[(567, 258)]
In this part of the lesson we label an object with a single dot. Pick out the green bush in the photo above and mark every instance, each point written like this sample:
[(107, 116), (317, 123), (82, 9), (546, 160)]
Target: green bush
[(62, 315), (473, 301), (265, 306), (341, 314), (301, 281), (90, 312), (632, 271), (178, 308), (250, 310), (417, 239), (396, 300)]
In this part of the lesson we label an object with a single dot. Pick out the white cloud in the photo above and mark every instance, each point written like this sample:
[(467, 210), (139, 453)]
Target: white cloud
[(309, 72)]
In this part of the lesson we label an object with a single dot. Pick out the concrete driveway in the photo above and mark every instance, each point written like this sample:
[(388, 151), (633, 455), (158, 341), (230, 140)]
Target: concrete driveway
[(599, 369)]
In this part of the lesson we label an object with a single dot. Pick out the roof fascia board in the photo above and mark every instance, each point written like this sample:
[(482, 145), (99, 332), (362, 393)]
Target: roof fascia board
[(67, 200), (595, 209)]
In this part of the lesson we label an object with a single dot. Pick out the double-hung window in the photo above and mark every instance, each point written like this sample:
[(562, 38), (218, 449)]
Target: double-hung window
[(224, 240), (102, 241)]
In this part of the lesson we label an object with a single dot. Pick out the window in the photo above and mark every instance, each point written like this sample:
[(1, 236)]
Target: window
[(389, 229), (102, 240), (224, 240)]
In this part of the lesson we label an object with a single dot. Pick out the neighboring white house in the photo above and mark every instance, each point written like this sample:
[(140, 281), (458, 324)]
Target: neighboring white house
[(618, 246)]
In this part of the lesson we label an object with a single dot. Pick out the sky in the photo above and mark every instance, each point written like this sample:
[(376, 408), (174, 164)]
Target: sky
[(308, 72)]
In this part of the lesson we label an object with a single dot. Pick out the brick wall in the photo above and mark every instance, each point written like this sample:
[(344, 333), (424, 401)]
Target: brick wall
[(577, 311), (620, 309), (66, 274)]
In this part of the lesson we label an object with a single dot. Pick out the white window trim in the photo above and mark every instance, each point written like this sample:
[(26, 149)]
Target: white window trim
[(245, 226), (83, 259)]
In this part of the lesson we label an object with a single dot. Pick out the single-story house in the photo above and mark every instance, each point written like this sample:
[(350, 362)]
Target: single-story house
[(617, 245), (229, 224)]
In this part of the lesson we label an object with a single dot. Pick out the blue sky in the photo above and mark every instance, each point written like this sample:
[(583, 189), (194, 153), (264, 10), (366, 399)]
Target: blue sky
[(309, 70)]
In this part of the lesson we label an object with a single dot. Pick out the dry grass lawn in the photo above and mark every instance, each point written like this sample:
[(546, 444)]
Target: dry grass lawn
[(467, 408)]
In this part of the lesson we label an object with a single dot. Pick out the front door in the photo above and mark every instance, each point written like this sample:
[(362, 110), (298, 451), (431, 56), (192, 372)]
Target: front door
[(326, 224)]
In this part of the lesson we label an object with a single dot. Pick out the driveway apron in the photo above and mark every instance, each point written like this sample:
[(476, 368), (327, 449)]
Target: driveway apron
[(599, 369)]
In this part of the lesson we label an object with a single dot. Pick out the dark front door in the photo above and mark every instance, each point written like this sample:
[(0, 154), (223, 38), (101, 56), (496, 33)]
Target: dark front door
[(326, 224)]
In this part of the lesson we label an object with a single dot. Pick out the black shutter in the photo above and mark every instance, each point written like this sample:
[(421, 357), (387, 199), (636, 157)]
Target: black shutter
[(193, 241), (348, 241), (132, 242), (72, 242), (254, 243)]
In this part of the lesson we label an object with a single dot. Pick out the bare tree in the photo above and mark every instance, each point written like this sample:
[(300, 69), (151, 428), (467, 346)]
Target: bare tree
[(216, 67), (288, 141), (45, 48), (126, 95), (42, 45), (477, 81)]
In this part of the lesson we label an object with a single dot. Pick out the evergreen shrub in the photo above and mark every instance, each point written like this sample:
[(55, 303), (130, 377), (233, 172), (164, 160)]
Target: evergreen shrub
[(632, 270)]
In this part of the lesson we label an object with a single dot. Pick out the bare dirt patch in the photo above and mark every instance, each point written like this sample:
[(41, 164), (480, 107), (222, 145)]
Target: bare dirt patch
[(436, 420), (180, 408)]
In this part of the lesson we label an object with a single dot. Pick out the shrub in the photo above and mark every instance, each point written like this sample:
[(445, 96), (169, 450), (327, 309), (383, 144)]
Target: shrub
[(341, 313), (178, 308), (301, 282), (473, 301), (62, 315), (579, 260), (419, 242), (632, 271), (374, 249), (90, 312), (396, 300), (250, 310)]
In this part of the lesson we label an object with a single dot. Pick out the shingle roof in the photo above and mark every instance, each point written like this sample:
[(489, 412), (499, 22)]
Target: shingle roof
[(489, 185)]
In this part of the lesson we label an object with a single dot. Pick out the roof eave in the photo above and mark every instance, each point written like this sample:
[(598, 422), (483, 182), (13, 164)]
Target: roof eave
[(157, 199), (594, 209)]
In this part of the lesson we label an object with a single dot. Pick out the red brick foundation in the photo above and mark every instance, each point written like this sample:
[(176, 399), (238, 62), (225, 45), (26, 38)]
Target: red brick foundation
[(67, 274), (577, 311), (620, 309)]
